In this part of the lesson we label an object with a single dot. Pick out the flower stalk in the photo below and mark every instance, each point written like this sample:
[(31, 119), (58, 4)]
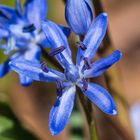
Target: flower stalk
[(89, 113), (88, 110)]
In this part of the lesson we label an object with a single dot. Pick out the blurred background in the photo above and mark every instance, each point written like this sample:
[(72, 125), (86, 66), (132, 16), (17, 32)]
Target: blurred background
[(24, 111)]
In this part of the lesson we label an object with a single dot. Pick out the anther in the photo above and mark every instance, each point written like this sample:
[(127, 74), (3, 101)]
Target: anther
[(59, 87), (85, 85), (29, 28), (81, 45), (87, 63), (44, 67), (56, 51)]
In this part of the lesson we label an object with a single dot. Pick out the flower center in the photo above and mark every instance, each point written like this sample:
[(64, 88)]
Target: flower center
[(72, 73)]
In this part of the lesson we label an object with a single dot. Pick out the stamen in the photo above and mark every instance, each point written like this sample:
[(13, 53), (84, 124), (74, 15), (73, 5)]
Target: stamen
[(44, 67), (59, 87), (29, 28), (81, 45), (85, 85), (87, 63), (56, 51)]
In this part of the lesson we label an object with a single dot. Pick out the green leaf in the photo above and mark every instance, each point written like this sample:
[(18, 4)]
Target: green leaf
[(5, 124), (76, 119), (5, 138), (76, 138), (10, 127)]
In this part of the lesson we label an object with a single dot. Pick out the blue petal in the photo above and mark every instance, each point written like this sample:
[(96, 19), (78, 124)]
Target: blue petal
[(79, 56), (18, 7), (24, 80), (44, 41), (3, 33), (79, 15), (56, 39), (33, 70), (3, 46), (61, 111), (55, 35), (101, 98), (4, 68), (11, 45), (33, 54), (95, 35), (66, 30), (35, 11), (102, 65), (6, 12), (7, 15)]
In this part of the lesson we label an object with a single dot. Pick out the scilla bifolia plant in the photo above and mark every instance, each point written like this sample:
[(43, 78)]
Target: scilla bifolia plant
[(29, 28), (20, 29), (81, 22)]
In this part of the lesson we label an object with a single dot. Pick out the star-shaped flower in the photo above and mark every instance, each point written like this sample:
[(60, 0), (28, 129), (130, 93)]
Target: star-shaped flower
[(20, 28), (74, 74)]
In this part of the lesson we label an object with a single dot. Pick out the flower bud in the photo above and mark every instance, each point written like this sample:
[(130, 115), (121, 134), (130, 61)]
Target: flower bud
[(79, 15)]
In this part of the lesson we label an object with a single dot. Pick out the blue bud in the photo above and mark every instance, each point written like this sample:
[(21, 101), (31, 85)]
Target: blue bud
[(79, 15)]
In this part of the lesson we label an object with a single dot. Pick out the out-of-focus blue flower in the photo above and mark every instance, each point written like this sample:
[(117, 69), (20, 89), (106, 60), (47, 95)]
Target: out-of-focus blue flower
[(79, 15), (21, 29), (74, 75), (134, 115)]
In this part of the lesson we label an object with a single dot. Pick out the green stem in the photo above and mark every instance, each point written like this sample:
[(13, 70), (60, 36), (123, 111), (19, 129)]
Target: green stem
[(88, 110), (87, 106)]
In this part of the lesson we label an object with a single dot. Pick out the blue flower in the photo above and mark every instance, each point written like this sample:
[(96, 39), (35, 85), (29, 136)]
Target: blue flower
[(79, 15), (74, 75), (21, 29)]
